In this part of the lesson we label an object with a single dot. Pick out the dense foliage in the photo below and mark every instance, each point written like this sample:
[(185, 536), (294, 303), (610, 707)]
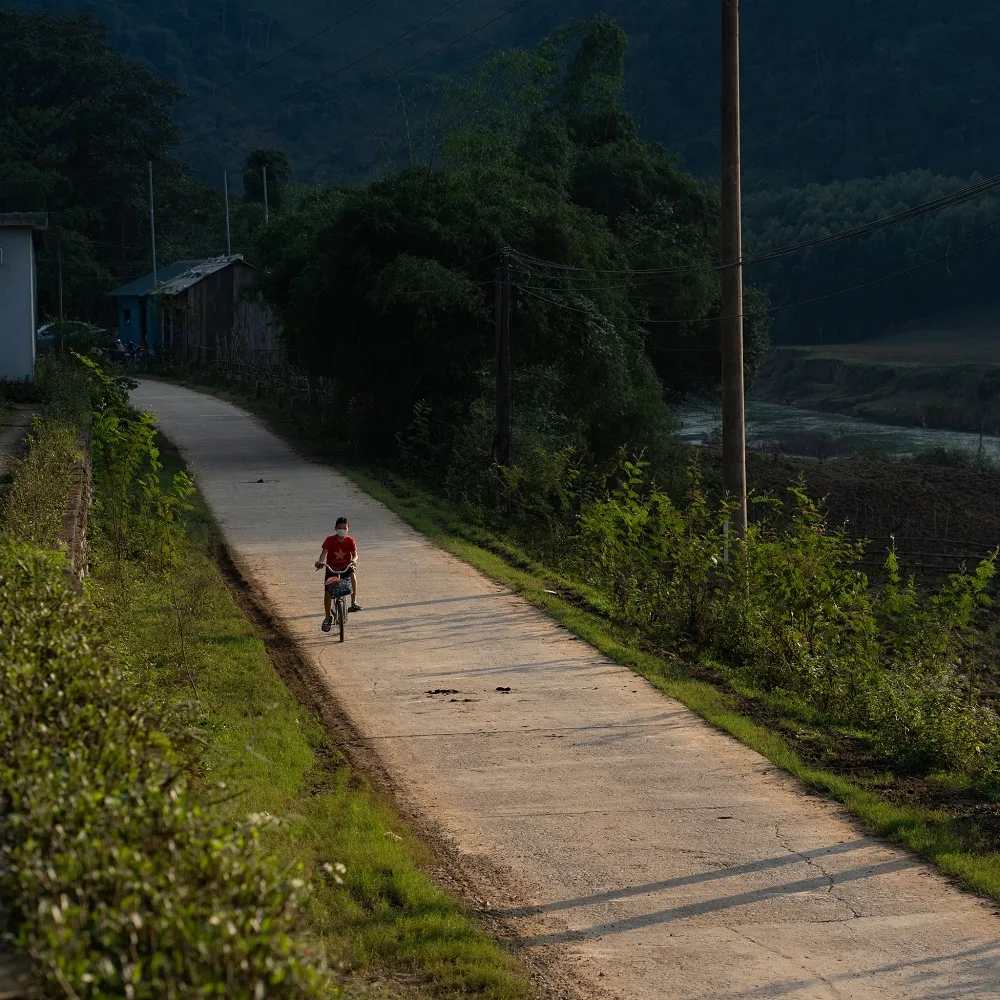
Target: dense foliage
[(789, 610), (388, 288), (124, 881), (863, 287), (831, 92), (78, 127), (846, 111)]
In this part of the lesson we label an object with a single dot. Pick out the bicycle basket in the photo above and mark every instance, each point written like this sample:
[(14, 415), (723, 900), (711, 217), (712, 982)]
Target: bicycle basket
[(339, 588)]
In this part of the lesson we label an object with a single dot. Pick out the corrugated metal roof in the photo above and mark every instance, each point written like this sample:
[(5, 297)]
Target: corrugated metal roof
[(25, 220), (174, 278), (194, 274), (144, 285)]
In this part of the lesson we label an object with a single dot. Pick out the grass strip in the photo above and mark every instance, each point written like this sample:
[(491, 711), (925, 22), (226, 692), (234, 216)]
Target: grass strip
[(41, 481), (243, 729)]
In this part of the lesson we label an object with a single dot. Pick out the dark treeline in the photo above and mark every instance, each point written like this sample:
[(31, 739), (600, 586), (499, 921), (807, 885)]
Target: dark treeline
[(387, 287), (86, 105)]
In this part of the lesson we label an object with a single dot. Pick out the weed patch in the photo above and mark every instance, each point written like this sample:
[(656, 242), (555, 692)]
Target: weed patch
[(40, 483)]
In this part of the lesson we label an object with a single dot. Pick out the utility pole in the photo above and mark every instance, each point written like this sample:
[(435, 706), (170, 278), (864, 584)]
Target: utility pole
[(152, 222), (229, 241), (266, 212), (59, 271), (501, 444), (734, 464)]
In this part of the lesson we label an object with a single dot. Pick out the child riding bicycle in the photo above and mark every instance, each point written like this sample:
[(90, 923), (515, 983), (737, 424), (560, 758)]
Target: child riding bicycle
[(339, 556)]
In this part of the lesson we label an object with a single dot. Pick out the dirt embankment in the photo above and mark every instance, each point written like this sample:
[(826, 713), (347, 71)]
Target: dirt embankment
[(935, 517), (945, 395)]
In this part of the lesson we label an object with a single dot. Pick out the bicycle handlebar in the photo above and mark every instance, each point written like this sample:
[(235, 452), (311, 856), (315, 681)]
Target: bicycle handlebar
[(338, 572)]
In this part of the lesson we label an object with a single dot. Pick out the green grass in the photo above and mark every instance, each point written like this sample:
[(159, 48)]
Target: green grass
[(40, 483), (257, 750)]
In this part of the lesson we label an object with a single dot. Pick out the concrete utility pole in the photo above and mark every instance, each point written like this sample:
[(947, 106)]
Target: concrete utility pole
[(229, 241), (734, 465), (152, 222), (501, 444), (266, 212)]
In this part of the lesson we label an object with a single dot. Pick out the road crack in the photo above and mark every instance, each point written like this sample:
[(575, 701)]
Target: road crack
[(813, 863)]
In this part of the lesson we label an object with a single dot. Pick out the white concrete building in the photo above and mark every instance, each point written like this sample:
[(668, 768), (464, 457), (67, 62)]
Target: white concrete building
[(18, 292)]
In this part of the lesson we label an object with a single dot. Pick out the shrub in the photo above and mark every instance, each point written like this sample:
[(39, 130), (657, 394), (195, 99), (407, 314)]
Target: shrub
[(126, 885), (788, 609)]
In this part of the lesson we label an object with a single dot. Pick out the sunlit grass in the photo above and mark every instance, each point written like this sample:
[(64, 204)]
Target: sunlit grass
[(255, 749)]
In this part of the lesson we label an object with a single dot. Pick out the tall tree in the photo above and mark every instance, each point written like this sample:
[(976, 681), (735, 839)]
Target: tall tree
[(78, 126), (279, 175)]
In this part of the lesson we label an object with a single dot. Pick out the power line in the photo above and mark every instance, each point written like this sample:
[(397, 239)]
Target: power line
[(929, 246), (792, 305), (390, 76), (886, 277), (274, 59), (948, 201)]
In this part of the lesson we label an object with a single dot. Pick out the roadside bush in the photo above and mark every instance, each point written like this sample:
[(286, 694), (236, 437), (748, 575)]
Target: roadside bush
[(135, 517), (126, 886), (789, 610)]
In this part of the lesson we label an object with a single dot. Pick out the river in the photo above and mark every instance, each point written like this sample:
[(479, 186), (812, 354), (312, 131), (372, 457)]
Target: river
[(808, 433)]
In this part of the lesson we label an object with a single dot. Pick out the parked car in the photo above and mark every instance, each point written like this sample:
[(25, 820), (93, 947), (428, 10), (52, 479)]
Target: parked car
[(78, 333)]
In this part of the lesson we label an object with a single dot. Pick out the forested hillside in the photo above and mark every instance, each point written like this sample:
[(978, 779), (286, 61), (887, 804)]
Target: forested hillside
[(851, 110), (831, 91)]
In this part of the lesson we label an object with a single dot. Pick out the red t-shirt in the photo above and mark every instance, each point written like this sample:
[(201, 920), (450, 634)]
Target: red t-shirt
[(340, 552)]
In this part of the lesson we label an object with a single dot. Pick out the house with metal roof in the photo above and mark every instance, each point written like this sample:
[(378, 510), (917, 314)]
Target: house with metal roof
[(19, 292), (196, 311)]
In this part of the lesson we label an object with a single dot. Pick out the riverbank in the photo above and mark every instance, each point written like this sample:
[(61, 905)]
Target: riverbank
[(862, 381)]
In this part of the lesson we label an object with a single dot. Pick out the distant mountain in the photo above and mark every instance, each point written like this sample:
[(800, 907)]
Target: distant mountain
[(831, 90)]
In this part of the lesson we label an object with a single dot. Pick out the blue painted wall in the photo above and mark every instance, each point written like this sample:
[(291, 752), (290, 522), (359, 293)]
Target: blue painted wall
[(128, 320), (130, 310)]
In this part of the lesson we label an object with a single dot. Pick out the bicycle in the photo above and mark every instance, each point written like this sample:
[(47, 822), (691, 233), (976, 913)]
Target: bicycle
[(339, 590)]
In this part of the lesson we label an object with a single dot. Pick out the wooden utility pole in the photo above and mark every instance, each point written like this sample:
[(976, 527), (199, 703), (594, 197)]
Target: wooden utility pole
[(229, 241), (501, 443), (734, 465), (59, 270), (267, 216), (152, 222)]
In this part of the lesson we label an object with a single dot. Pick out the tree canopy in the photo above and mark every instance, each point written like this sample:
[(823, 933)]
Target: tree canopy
[(79, 125), (388, 287), (832, 93)]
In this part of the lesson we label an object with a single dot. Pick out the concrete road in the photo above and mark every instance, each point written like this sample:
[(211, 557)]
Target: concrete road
[(631, 847)]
